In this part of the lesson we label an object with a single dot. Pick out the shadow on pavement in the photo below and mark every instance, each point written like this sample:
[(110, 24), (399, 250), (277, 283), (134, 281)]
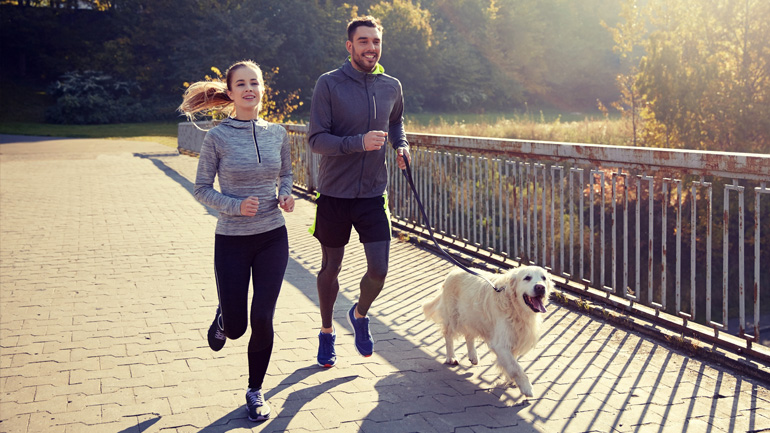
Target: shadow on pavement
[(582, 369), (7, 138), (174, 175), (142, 426), (296, 399)]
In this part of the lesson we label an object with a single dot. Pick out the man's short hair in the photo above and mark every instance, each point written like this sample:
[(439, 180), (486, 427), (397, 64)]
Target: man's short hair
[(368, 21)]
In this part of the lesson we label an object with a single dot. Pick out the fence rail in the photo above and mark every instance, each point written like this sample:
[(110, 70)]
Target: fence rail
[(647, 229), (637, 223)]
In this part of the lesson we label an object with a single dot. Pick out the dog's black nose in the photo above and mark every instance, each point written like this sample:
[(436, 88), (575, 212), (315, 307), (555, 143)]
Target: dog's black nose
[(539, 290)]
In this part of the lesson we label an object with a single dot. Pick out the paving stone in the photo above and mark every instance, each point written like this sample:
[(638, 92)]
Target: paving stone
[(106, 303)]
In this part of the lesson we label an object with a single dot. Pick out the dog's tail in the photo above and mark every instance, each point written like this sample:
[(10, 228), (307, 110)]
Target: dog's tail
[(431, 309)]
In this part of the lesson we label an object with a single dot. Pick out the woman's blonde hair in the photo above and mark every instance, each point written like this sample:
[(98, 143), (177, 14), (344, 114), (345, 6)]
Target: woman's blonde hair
[(210, 97)]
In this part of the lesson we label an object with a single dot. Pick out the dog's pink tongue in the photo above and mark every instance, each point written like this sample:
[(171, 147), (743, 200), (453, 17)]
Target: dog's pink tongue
[(539, 305)]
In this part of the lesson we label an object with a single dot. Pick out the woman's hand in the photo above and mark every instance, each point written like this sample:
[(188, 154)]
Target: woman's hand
[(286, 202), (249, 206)]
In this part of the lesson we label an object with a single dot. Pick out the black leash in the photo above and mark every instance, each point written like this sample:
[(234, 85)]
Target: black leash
[(408, 174)]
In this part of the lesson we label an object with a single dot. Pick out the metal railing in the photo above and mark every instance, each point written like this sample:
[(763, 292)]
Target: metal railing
[(641, 226)]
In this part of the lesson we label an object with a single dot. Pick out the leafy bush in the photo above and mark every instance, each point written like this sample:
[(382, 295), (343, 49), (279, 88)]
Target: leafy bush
[(92, 97)]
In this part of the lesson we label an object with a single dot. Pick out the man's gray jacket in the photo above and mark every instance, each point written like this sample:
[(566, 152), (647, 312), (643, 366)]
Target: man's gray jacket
[(347, 104)]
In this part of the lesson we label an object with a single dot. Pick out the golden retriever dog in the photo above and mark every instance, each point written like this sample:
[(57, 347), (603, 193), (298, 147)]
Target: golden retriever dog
[(508, 321)]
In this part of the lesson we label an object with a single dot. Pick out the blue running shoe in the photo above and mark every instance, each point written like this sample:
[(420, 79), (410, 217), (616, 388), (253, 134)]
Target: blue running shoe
[(327, 357), (363, 338), (256, 406), (216, 335)]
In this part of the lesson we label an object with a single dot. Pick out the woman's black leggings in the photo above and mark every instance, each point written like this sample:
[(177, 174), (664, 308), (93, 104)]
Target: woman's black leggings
[(262, 257)]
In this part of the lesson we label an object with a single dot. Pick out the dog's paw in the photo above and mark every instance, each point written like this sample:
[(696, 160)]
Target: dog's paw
[(474, 360), (451, 361), (524, 386)]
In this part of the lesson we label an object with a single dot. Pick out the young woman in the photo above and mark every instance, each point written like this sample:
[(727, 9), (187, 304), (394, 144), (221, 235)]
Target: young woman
[(252, 158)]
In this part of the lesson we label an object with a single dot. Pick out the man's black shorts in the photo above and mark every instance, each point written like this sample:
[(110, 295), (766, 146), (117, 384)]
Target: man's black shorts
[(336, 216)]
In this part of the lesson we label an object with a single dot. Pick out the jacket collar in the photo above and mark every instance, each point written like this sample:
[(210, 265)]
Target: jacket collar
[(243, 124), (358, 75)]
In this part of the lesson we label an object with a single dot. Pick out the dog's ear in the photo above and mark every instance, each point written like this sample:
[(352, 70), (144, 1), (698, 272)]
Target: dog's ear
[(510, 281), (547, 274), (549, 281)]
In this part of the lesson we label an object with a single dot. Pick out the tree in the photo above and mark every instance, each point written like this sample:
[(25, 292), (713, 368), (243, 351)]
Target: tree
[(628, 36), (465, 55), (100, 5), (490, 53), (312, 41), (706, 75), (513, 43), (407, 42), (580, 64)]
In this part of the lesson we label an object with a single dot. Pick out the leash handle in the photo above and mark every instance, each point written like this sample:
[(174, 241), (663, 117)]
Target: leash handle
[(408, 174)]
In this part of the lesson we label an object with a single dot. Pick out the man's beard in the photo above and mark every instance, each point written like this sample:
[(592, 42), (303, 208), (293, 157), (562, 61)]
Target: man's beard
[(361, 67)]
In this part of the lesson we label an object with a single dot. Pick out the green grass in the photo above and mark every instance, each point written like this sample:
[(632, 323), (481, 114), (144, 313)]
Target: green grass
[(23, 114), (590, 130), (537, 116), (23, 101), (159, 132), (598, 131)]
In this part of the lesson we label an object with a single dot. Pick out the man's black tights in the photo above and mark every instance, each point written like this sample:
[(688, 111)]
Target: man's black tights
[(377, 255)]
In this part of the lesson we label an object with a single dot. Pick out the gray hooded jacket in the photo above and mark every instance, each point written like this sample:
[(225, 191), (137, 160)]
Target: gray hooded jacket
[(347, 104), (250, 158)]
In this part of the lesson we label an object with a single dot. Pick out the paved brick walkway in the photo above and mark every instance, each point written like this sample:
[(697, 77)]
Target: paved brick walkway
[(107, 293)]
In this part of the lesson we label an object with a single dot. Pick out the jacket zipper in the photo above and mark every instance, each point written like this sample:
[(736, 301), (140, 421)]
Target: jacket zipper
[(374, 102), (256, 145), (369, 125)]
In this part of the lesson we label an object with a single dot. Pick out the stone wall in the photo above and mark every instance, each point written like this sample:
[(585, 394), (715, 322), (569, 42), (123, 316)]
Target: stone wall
[(190, 136)]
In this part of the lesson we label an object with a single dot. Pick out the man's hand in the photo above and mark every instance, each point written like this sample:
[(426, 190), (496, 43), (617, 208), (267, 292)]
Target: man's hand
[(374, 140), (286, 202), (249, 206), (403, 153)]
